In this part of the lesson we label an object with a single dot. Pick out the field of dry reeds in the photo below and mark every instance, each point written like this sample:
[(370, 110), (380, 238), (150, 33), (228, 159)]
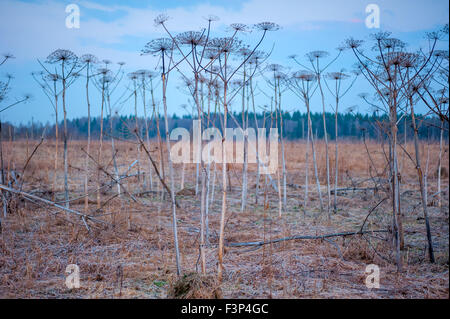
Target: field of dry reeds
[(131, 254)]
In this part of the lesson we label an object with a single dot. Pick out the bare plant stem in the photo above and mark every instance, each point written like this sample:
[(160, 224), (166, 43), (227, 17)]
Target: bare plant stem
[(66, 164), (136, 123), (336, 155), (147, 133), (305, 203), (55, 174), (421, 183), (439, 171), (244, 126), (88, 147), (258, 176), (283, 152), (224, 182), (99, 155), (113, 147), (316, 173), (327, 159), (171, 173)]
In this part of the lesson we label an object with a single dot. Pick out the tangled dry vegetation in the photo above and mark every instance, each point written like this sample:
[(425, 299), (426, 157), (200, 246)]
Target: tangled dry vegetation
[(118, 260)]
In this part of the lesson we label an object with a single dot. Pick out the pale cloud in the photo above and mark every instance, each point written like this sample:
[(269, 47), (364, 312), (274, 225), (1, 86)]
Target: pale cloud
[(399, 15), (96, 6), (32, 29)]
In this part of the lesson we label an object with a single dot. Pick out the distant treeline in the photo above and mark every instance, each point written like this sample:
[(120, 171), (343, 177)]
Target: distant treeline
[(350, 126)]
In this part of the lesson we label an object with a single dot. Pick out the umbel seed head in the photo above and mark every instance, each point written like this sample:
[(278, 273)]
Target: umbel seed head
[(132, 76), (337, 76), (314, 55), (161, 19), (158, 46), (267, 26), (89, 58), (61, 55), (212, 17), (225, 45), (53, 77), (239, 27), (304, 75), (192, 38), (8, 56), (352, 43)]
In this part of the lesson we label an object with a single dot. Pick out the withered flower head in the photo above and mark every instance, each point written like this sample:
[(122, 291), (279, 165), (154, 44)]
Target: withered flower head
[(244, 51), (392, 44), (394, 58), (433, 35), (267, 26), (352, 43), (104, 72), (257, 56), (188, 82), (107, 79), (53, 77), (210, 53), (158, 46), (240, 27), (192, 38), (280, 76), (144, 73), (274, 67), (8, 56), (161, 19), (337, 76), (61, 55), (409, 60), (89, 59), (441, 54), (314, 55), (225, 45), (380, 36), (443, 100), (304, 75), (132, 76), (211, 18), (237, 83)]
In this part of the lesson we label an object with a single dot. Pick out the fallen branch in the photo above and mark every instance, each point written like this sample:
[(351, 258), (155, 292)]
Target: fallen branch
[(370, 212), (353, 189), (33, 197), (22, 177), (110, 184), (298, 237), (161, 179), (113, 179)]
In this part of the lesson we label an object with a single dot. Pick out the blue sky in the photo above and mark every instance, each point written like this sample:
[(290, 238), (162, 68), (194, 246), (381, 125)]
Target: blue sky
[(118, 30)]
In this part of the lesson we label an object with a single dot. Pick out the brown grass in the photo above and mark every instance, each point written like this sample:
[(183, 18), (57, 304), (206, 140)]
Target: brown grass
[(194, 286), (38, 242)]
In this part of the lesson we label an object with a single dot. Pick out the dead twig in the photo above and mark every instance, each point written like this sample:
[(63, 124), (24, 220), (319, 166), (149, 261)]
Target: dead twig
[(33, 197), (299, 237), (370, 212)]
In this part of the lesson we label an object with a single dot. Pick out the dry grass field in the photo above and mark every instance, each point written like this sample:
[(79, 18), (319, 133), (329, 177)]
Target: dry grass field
[(118, 260)]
